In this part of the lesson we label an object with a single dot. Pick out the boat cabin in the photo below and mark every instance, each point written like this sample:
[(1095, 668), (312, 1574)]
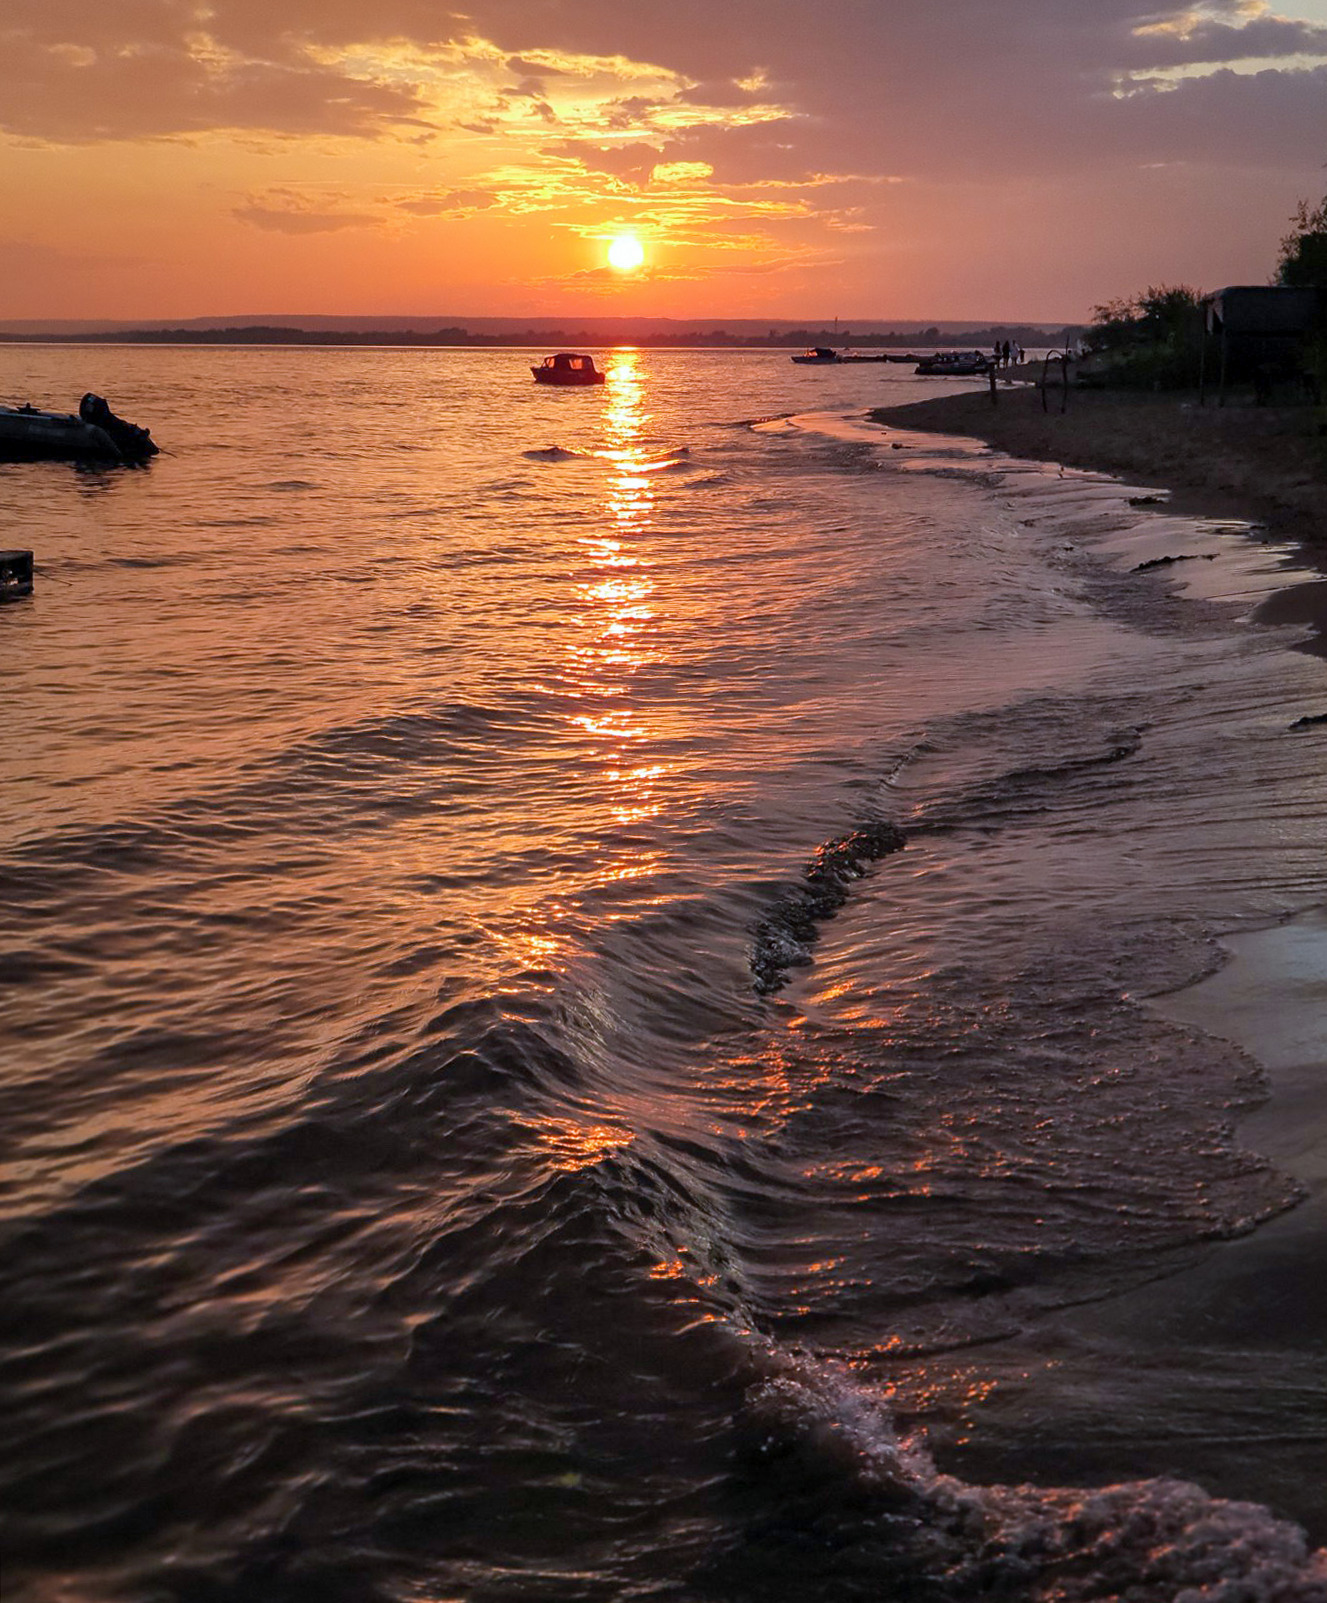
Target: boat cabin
[(567, 367)]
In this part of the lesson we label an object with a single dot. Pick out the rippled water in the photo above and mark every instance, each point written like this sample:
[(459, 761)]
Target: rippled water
[(573, 996)]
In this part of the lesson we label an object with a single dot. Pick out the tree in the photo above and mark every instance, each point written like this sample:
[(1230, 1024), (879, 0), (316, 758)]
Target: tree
[(1151, 340), (1160, 314), (1303, 265), (1303, 259)]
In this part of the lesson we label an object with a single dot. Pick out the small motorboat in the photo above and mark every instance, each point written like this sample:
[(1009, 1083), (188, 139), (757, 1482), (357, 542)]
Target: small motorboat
[(567, 367), (953, 364), (817, 355), (15, 575), (27, 434)]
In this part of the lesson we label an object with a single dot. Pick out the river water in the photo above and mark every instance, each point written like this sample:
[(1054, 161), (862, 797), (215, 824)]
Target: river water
[(576, 973)]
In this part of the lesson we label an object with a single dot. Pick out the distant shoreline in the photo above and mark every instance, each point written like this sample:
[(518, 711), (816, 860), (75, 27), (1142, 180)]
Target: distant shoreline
[(461, 337)]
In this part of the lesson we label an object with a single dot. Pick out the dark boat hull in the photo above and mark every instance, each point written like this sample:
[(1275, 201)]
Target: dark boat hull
[(574, 380), (53, 437), (27, 434), (955, 367)]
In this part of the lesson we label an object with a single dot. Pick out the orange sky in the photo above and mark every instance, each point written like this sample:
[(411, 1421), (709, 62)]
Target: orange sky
[(969, 159)]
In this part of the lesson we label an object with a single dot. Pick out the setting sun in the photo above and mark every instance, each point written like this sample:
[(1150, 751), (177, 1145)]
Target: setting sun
[(626, 253)]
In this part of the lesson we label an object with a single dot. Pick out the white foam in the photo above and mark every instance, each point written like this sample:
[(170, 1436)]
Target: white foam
[(1150, 1541)]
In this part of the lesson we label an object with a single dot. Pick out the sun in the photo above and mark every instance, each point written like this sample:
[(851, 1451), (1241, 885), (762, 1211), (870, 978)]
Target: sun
[(626, 253)]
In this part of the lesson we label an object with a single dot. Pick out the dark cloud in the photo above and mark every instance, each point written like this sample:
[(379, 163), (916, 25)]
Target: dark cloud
[(913, 87), (633, 163), (532, 69), (1262, 39), (782, 151), (629, 112), (1263, 119), (720, 92), (67, 97), (957, 89)]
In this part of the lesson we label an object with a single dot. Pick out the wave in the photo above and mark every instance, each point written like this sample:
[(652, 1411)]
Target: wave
[(557, 453), (664, 459), (335, 773), (860, 1510), (785, 936)]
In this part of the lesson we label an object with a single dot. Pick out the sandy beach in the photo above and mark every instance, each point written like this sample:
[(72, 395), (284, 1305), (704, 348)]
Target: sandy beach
[(1265, 463)]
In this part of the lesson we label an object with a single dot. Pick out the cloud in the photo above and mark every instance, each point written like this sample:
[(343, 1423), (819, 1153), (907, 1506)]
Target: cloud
[(633, 163), (736, 126), (1193, 37), (726, 92), (1230, 118), (455, 203), (150, 89), (285, 213), (530, 69)]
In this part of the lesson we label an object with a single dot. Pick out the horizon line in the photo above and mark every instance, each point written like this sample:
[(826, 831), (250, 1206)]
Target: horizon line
[(532, 320)]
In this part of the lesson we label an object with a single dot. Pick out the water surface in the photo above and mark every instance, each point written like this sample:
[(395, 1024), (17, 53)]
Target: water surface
[(576, 972)]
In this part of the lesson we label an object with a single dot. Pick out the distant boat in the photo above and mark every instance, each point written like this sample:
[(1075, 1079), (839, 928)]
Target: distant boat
[(567, 367), (27, 434), (818, 355), (953, 364)]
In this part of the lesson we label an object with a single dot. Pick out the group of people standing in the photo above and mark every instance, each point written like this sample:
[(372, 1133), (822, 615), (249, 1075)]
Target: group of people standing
[(1006, 355)]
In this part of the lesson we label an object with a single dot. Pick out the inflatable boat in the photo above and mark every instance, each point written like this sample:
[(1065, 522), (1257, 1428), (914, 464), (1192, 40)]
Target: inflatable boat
[(27, 434)]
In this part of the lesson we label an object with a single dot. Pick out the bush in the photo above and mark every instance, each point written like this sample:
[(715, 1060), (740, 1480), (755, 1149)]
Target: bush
[(1152, 341)]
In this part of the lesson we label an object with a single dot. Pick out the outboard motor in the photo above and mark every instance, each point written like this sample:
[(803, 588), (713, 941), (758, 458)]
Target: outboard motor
[(134, 444)]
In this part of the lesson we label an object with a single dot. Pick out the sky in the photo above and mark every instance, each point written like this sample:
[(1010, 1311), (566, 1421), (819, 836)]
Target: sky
[(976, 159)]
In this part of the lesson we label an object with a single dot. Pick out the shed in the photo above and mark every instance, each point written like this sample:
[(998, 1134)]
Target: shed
[(1262, 325)]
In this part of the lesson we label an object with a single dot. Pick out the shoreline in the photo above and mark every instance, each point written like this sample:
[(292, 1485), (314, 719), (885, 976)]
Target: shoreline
[(1265, 464), (1246, 1314)]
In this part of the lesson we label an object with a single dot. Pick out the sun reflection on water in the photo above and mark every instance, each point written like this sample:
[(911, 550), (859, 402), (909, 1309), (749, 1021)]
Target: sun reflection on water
[(619, 614), (570, 1144), (620, 731)]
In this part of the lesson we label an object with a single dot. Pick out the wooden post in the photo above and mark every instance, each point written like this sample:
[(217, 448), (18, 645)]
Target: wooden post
[(995, 395), (1060, 360)]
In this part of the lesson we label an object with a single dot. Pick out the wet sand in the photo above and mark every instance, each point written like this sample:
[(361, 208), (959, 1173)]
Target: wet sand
[(1240, 1329), (1249, 1316), (1265, 463)]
